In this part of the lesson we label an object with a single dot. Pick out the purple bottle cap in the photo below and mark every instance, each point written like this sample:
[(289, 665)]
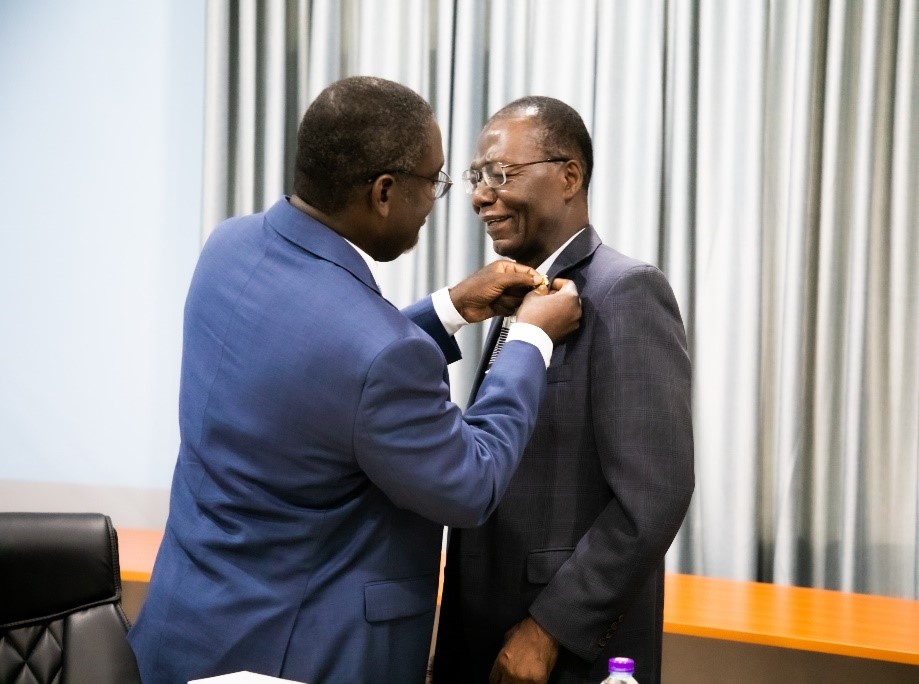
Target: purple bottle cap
[(626, 665)]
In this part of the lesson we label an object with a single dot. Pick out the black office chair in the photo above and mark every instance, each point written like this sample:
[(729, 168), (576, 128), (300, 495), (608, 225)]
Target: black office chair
[(61, 620)]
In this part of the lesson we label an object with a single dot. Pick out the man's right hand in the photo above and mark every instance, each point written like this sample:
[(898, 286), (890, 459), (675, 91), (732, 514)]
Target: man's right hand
[(556, 311), (496, 289)]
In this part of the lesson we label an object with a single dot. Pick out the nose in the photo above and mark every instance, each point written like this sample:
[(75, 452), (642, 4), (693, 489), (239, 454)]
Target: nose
[(482, 195)]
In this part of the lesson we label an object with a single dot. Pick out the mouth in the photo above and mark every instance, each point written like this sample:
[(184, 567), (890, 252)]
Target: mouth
[(494, 223)]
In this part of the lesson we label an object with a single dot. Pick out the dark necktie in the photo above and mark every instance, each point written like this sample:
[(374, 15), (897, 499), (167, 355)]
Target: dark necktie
[(502, 338)]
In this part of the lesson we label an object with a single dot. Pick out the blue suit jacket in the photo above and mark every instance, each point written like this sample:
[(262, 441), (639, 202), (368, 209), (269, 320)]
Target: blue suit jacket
[(320, 457)]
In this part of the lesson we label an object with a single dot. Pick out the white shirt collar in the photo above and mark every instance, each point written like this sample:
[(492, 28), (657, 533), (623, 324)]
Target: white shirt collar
[(547, 264), (544, 269)]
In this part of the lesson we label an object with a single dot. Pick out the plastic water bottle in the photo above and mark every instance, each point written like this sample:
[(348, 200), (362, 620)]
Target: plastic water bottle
[(620, 671)]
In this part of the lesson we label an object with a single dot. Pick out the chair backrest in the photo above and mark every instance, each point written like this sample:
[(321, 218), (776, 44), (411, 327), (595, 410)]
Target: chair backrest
[(61, 620)]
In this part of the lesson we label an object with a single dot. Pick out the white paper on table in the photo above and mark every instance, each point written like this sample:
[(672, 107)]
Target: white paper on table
[(241, 678)]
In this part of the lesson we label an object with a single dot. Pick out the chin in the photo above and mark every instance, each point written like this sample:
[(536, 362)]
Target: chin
[(502, 248), (410, 247), (393, 255)]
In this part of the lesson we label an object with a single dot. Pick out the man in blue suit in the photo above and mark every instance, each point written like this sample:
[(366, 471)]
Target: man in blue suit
[(320, 455)]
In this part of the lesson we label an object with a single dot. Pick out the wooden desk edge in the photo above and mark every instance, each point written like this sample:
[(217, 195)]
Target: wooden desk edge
[(791, 642), (135, 576), (752, 612), (138, 550), (136, 553)]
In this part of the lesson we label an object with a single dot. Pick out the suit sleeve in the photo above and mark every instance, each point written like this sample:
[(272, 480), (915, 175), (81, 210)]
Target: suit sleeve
[(422, 314), (640, 397), (423, 452)]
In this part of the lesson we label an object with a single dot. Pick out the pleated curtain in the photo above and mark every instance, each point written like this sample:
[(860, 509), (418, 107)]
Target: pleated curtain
[(765, 155)]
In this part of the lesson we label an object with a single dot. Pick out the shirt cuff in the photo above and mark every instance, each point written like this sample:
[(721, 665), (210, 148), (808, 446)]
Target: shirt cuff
[(446, 312), (527, 332)]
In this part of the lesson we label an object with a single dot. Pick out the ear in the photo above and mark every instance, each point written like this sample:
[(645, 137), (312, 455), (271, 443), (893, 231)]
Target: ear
[(381, 194), (573, 176)]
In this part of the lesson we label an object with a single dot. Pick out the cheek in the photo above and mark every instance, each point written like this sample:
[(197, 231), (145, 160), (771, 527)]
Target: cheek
[(423, 215), (513, 205), (522, 218)]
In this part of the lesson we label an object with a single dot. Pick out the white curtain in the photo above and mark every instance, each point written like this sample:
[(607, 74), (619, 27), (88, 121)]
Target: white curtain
[(764, 154)]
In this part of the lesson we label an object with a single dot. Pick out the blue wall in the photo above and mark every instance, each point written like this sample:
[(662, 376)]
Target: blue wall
[(101, 131)]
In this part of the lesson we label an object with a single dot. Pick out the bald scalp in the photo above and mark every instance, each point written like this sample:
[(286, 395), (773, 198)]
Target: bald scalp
[(562, 131)]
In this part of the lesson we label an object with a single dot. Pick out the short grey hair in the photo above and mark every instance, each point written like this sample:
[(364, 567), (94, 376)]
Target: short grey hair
[(354, 130)]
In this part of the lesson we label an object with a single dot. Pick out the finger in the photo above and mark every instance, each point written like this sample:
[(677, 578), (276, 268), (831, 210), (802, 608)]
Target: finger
[(519, 279), (558, 284), (564, 285), (538, 292), (516, 292), (507, 266), (513, 267), (571, 289)]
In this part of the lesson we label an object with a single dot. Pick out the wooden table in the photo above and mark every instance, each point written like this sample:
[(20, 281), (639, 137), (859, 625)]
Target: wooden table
[(818, 620), (836, 622), (136, 551)]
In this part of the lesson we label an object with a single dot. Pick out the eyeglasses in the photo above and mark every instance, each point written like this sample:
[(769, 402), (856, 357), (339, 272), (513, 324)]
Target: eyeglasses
[(494, 173), (439, 185)]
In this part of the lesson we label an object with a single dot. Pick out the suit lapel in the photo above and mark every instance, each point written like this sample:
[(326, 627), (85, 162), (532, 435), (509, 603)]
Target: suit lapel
[(580, 249)]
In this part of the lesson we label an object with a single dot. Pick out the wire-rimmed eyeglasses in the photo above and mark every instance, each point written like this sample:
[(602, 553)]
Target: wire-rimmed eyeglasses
[(439, 185), (494, 173)]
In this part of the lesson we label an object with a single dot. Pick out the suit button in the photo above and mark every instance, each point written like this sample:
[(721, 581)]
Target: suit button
[(602, 643), (621, 618)]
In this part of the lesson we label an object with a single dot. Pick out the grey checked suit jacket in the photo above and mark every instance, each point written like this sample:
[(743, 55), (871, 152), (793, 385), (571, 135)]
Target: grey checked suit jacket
[(579, 539)]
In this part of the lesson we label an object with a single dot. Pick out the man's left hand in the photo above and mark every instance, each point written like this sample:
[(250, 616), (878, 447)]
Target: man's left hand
[(495, 290), (528, 656)]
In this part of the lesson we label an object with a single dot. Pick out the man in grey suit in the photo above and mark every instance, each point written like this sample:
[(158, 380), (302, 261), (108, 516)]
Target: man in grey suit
[(569, 569)]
